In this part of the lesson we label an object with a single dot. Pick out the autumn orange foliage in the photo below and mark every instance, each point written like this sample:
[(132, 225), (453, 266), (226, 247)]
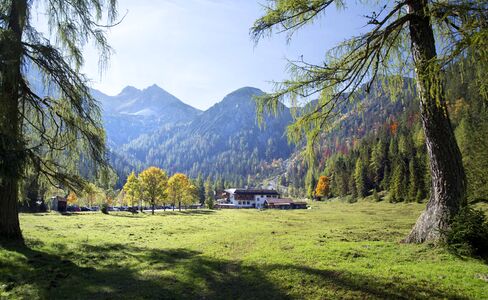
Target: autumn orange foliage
[(72, 199), (323, 187), (394, 127)]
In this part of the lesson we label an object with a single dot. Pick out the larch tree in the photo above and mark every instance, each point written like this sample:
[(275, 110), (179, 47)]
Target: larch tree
[(153, 184), (38, 127), (400, 38), (91, 193), (190, 195), (179, 189), (132, 188)]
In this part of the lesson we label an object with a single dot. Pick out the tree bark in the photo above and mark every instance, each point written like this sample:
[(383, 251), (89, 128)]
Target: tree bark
[(448, 190), (11, 142)]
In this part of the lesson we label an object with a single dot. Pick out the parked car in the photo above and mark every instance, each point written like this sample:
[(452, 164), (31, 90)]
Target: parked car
[(133, 209), (72, 208), (84, 208)]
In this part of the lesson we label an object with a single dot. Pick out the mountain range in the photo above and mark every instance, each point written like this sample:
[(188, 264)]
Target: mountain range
[(152, 127), (134, 112)]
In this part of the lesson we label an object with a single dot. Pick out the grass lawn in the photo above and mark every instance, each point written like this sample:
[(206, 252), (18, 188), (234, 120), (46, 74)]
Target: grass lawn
[(334, 250)]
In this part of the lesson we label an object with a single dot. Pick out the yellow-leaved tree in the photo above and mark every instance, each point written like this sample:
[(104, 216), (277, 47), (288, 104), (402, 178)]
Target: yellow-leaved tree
[(132, 189), (91, 192), (181, 191), (323, 187), (72, 199), (190, 197), (153, 182)]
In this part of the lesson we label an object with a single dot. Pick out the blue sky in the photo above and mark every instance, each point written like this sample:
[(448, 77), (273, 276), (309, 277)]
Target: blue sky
[(200, 50)]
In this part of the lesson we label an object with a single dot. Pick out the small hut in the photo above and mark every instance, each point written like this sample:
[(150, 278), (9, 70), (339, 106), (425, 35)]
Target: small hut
[(58, 203)]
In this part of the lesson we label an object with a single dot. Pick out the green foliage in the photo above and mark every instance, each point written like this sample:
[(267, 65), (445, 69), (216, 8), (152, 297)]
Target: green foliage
[(398, 184), (311, 184), (104, 208), (200, 188), (378, 57), (61, 130), (468, 234), (376, 197), (360, 178), (209, 191), (472, 130), (210, 203)]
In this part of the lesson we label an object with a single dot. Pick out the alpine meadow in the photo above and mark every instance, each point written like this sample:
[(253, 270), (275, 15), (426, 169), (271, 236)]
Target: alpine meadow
[(324, 149)]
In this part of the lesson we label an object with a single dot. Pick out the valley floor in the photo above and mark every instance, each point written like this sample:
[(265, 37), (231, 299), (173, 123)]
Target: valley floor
[(334, 250)]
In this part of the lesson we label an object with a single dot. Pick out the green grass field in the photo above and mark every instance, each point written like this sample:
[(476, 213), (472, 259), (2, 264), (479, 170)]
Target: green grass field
[(334, 250)]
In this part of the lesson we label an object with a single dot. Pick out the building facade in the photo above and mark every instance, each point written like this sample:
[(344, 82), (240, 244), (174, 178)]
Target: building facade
[(247, 198)]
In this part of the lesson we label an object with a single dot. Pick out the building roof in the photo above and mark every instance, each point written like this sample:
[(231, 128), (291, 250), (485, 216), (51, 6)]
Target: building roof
[(252, 191), (284, 201), (275, 201)]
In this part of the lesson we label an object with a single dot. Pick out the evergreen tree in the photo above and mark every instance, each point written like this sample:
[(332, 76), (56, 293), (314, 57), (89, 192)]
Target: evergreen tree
[(360, 178), (377, 163), (200, 188), (38, 130), (353, 187), (209, 190), (398, 186)]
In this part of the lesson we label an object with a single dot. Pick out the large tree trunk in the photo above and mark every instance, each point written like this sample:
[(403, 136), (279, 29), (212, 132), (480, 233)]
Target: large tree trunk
[(448, 179), (11, 144)]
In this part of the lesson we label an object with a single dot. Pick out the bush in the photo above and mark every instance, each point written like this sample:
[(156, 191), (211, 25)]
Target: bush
[(469, 233), (104, 208), (376, 197), (210, 203)]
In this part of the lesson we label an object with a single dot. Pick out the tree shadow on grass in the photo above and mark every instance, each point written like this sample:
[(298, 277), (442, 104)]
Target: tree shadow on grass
[(192, 213), (101, 274), (118, 271)]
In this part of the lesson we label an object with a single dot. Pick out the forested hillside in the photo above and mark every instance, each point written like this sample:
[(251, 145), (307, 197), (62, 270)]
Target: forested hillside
[(378, 148)]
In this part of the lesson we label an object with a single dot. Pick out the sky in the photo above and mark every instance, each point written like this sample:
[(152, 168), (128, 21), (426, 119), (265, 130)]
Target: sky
[(201, 50)]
